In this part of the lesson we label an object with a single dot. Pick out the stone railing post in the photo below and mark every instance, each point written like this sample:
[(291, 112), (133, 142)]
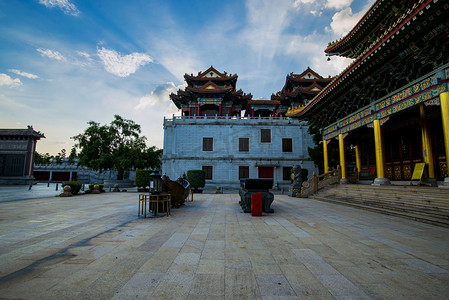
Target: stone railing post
[(338, 173), (315, 182)]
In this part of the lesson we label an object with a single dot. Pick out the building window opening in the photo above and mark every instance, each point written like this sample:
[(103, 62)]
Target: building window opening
[(243, 172), (287, 145), (208, 172), (286, 173), (243, 144), (208, 144), (265, 135)]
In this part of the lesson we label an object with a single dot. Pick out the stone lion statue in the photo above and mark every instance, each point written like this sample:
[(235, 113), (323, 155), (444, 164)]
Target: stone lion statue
[(296, 180)]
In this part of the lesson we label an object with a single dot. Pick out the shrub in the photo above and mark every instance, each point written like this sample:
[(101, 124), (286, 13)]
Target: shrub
[(143, 178), (196, 178), (91, 187), (75, 186)]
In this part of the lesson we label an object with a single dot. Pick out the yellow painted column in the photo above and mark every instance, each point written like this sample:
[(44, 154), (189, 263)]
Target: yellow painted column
[(426, 143), (326, 156), (444, 103), (380, 154), (358, 157), (341, 144)]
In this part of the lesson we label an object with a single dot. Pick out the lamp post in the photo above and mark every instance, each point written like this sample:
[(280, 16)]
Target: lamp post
[(157, 184)]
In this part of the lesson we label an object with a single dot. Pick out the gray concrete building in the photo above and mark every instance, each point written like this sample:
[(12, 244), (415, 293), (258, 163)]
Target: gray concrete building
[(17, 147), (212, 135), (231, 148)]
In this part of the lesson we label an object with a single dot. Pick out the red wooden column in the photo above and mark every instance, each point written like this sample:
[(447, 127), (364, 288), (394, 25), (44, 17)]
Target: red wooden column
[(219, 109), (274, 112), (199, 110), (190, 111), (252, 112)]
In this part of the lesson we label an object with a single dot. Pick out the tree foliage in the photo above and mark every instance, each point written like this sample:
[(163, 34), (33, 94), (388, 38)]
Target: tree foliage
[(117, 146), (42, 159), (60, 156), (316, 154), (72, 155)]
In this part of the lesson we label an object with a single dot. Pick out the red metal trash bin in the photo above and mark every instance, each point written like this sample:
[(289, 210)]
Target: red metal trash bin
[(256, 204)]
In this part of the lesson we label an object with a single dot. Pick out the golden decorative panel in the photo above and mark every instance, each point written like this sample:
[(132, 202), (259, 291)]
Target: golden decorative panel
[(443, 170), (389, 172), (407, 171), (397, 173)]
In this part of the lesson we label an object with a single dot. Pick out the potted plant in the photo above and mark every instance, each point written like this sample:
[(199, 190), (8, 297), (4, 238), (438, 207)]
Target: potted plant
[(197, 180)]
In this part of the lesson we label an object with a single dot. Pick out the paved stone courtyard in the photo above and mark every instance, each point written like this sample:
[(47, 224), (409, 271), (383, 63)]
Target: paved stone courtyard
[(95, 247)]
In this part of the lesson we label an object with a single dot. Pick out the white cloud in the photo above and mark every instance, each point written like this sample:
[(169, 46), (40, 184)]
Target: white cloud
[(343, 21), (297, 3), (24, 74), (6, 80), (51, 54), (338, 4), (159, 96), (84, 54), (125, 65), (64, 5), (266, 22), (312, 50)]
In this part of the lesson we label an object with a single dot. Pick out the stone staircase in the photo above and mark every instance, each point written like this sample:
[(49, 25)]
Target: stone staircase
[(424, 204)]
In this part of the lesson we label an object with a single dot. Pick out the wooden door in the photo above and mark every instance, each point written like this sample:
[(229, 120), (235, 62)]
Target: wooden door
[(266, 172)]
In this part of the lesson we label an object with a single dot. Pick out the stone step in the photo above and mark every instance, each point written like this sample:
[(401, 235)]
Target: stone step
[(401, 190), (400, 206), (424, 198), (426, 204), (405, 214), (394, 199)]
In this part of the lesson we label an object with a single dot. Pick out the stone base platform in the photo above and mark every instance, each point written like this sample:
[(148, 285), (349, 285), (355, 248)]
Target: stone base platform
[(95, 247)]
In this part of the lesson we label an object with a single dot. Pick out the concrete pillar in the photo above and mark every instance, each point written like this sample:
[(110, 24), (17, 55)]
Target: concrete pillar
[(326, 156), (358, 157), (380, 155), (444, 104), (427, 145), (341, 144)]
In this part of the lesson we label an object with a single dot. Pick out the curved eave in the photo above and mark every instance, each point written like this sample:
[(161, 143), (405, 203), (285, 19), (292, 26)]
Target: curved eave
[(318, 80), (331, 49), (209, 91), (263, 102), (349, 72), (196, 78)]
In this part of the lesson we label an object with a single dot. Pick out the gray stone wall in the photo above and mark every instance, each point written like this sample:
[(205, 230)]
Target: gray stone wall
[(183, 151)]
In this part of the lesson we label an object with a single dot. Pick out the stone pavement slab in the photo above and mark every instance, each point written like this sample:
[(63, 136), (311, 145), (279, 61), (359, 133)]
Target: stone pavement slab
[(95, 247)]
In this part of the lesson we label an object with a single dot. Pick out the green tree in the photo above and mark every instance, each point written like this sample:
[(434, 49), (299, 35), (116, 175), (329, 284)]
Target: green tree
[(117, 146), (42, 159), (316, 153), (72, 155), (60, 156)]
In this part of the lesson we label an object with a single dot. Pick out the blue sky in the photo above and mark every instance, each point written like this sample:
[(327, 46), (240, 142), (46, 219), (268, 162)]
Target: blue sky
[(66, 62)]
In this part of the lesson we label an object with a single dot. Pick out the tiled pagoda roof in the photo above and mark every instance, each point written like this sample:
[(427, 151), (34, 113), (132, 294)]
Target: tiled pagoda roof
[(29, 132), (378, 49), (210, 87), (308, 83), (263, 102), (210, 84), (211, 74), (364, 27)]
